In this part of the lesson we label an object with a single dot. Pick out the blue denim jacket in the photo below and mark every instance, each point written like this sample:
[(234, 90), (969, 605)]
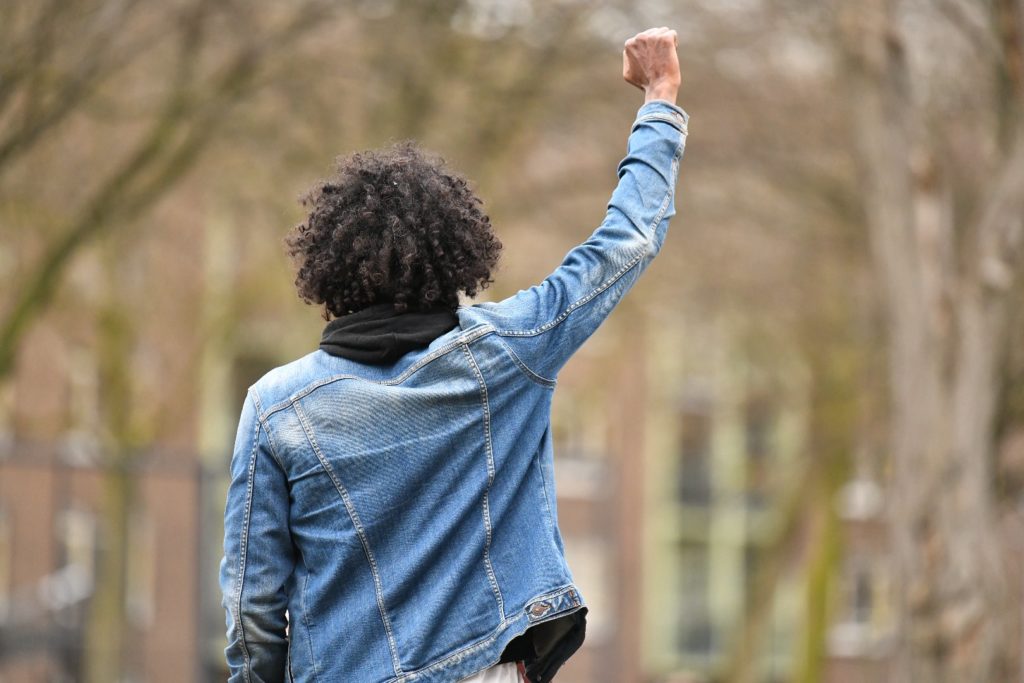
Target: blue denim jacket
[(398, 522)]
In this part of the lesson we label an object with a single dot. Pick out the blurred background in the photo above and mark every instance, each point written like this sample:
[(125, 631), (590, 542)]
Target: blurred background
[(794, 453)]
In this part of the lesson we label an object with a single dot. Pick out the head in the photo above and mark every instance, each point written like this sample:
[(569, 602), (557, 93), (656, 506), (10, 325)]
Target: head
[(391, 226)]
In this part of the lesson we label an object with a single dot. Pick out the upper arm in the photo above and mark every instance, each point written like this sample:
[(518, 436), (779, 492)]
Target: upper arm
[(258, 553), (548, 322)]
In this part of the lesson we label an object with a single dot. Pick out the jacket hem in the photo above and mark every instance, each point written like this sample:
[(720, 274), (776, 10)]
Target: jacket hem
[(487, 652)]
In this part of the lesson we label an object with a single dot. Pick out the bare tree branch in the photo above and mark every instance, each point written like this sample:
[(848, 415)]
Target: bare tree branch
[(188, 119)]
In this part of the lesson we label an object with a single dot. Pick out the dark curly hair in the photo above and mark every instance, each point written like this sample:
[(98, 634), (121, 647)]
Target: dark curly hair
[(391, 226)]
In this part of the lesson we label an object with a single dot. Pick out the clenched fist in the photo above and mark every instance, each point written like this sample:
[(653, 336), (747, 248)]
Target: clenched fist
[(650, 62)]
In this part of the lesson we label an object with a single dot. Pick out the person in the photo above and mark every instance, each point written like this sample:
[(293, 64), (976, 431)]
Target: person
[(391, 512)]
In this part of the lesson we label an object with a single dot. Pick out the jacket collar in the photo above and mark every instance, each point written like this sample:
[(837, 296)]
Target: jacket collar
[(378, 335)]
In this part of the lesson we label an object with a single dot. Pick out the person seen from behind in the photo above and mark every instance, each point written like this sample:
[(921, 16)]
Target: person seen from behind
[(391, 514)]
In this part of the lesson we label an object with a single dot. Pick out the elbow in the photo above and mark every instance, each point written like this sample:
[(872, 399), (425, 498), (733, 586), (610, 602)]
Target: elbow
[(256, 653)]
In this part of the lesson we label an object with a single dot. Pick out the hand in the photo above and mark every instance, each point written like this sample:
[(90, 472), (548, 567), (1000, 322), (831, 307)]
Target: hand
[(650, 62)]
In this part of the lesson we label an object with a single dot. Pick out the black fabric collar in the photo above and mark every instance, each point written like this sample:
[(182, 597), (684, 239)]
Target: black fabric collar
[(378, 335)]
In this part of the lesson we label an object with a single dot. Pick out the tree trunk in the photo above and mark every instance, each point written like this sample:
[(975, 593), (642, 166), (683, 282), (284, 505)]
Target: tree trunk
[(946, 331)]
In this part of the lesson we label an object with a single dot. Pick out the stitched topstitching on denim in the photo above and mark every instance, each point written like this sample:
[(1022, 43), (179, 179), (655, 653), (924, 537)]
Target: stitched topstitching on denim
[(523, 617), (305, 620), (648, 235), (579, 302), (604, 285), (490, 482), (530, 374), (266, 429), (243, 548), (469, 335), (544, 486), (677, 121), (360, 532)]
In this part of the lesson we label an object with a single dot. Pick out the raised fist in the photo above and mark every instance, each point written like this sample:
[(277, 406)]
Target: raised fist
[(650, 62)]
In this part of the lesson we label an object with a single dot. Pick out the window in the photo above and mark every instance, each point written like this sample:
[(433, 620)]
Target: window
[(81, 445), (696, 629), (73, 582), (758, 425), (695, 454), (77, 533), (863, 618)]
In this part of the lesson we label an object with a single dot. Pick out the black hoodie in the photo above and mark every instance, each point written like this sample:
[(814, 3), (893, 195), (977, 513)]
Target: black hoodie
[(379, 335)]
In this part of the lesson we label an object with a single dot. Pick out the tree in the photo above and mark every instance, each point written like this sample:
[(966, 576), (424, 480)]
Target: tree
[(167, 78), (947, 251), (61, 60)]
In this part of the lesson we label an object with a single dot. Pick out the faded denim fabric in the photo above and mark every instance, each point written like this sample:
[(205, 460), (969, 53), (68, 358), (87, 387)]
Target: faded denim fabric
[(400, 520)]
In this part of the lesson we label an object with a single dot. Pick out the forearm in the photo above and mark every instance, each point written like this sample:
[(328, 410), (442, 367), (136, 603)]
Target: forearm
[(256, 661), (545, 324), (644, 197)]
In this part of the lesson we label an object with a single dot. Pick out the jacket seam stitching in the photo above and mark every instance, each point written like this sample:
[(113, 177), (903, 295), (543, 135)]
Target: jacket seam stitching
[(472, 334), (544, 486), (490, 482), (530, 374), (266, 428), (676, 120), (648, 235), (579, 302), (305, 620), (243, 549), (464, 652), (354, 516)]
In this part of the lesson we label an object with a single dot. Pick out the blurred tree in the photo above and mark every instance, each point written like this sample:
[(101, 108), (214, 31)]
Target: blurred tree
[(944, 199), (62, 62), (167, 77)]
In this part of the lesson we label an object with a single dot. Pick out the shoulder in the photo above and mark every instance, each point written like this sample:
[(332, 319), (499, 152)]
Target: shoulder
[(286, 383), (280, 385)]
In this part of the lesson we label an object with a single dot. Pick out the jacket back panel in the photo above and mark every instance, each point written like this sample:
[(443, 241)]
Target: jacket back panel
[(419, 501)]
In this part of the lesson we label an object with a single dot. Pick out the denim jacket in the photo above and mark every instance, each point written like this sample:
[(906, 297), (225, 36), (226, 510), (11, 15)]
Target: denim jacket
[(398, 522)]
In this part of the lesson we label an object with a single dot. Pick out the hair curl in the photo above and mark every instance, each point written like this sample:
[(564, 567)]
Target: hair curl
[(392, 225)]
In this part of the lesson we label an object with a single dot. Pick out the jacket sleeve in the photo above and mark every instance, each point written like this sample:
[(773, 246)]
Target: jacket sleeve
[(258, 555), (545, 324)]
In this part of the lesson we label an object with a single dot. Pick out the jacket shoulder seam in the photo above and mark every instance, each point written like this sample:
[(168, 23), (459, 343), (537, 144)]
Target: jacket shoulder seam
[(265, 424), (469, 335)]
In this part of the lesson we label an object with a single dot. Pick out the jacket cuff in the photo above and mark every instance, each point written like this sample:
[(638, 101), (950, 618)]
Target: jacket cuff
[(663, 110)]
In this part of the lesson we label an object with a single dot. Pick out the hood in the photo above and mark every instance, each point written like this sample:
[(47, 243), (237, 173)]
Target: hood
[(378, 335)]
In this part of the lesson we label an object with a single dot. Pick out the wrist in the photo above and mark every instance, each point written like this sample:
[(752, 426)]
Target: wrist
[(661, 91)]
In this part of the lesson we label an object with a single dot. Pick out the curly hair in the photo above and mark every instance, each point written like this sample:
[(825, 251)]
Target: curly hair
[(391, 226)]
